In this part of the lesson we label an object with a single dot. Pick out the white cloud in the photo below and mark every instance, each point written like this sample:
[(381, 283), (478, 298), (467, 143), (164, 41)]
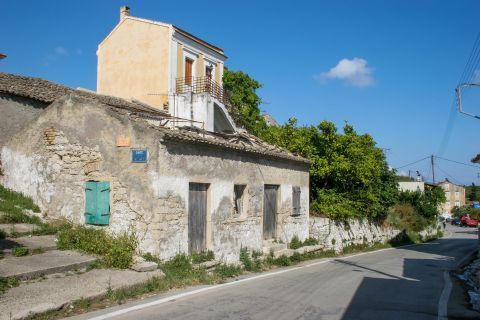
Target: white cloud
[(354, 72), (61, 51), (56, 53)]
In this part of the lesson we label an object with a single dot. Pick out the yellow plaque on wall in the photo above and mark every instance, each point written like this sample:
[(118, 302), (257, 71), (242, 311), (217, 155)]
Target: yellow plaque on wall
[(123, 141)]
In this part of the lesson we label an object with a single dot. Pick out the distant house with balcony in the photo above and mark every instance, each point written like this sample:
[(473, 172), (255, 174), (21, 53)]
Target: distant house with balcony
[(165, 67), (454, 194)]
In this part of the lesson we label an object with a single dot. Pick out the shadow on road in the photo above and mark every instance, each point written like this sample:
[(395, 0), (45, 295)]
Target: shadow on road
[(416, 293)]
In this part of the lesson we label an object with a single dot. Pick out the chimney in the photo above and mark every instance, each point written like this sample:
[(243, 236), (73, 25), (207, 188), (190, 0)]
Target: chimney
[(124, 12)]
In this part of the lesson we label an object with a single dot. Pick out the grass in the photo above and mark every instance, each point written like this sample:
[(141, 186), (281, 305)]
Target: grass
[(19, 251), (13, 205), (204, 256), (12, 210), (295, 243), (116, 251), (8, 283)]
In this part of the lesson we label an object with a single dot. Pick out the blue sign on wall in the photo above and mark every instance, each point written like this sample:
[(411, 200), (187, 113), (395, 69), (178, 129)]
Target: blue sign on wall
[(139, 155)]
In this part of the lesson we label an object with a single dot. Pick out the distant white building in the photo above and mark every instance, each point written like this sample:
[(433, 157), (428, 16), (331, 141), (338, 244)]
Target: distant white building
[(412, 186)]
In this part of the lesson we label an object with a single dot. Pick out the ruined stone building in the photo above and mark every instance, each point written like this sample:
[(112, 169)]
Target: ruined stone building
[(154, 152), (108, 162)]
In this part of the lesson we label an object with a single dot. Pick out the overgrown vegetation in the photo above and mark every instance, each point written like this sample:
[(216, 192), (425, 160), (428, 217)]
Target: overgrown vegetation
[(415, 211), (19, 251), (203, 256), (13, 205), (295, 243), (116, 251), (8, 283), (250, 261)]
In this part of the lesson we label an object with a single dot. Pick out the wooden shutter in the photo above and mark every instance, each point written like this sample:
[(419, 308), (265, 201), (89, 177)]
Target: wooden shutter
[(97, 202), (188, 71), (296, 200), (90, 202), (103, 202)]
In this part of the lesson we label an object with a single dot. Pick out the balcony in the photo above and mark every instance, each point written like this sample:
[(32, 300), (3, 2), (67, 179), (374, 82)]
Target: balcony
[(202, 85)]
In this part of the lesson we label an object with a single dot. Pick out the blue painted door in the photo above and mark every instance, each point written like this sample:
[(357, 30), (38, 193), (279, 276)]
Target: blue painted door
[(97, 202)]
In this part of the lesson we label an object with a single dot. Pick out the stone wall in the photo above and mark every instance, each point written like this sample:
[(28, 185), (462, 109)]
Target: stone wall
[(15, 114), (337, 235), (74, 141)]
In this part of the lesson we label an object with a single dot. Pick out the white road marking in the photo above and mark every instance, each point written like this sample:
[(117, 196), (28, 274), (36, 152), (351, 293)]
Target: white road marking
[(443, 301), (447, 289), (223, 285)]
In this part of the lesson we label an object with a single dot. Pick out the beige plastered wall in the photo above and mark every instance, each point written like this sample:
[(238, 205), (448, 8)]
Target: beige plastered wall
[(133, 62)]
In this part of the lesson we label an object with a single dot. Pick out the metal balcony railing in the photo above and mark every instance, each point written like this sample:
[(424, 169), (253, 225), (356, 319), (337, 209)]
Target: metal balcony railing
[(203, 85)]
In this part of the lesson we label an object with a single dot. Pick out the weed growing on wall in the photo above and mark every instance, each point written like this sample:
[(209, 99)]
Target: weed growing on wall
[(199, 257)]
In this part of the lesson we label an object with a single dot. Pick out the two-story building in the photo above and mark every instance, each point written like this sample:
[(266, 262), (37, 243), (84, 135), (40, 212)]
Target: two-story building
[(165, 67), (454, 193)]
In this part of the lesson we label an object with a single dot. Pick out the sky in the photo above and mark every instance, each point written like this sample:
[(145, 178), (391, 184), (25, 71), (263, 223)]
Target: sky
[(389, 68)]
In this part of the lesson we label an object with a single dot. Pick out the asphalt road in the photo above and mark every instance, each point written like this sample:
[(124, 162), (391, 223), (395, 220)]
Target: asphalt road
[(401, 283)]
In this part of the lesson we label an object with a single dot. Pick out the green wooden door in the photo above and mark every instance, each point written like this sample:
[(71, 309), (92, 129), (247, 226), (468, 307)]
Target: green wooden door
[(97, 202)]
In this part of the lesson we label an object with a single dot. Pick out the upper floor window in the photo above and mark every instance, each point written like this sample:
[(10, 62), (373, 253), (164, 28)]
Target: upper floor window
[(208, 72), (188, 71)]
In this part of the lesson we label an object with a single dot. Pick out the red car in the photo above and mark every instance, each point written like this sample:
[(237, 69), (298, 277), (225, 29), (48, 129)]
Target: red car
[(468, 222)]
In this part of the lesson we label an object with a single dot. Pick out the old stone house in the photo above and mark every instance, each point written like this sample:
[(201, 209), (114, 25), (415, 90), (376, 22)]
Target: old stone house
[(114, 164)]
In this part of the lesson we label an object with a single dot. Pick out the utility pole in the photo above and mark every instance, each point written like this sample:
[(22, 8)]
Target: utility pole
[(433, 167)]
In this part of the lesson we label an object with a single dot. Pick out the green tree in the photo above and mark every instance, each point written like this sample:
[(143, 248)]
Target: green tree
[(245, 101), (349, 175)]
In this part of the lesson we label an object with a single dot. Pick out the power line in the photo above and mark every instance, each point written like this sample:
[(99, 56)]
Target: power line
[(458, 162), (412, 163), (450, 176), (467, 73)]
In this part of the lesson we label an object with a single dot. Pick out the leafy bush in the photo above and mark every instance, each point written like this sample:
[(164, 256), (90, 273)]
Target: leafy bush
[(179, 266), (180, 271), (117, 251), (310, 241), (199, 257), (245, 259), (404, 217), (425, 203), (227, 271), (19, 251), (295, 243), (254, 265), (283, 260)]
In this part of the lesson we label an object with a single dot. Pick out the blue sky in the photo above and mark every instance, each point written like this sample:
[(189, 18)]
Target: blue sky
[(389, 68)]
